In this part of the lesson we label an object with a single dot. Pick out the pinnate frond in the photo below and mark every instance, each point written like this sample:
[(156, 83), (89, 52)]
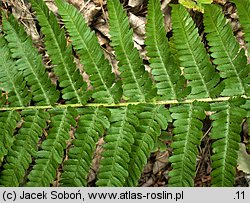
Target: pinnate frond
[(229, 58), (11, 80), (114, 165), (187, 137), (91, 55), (243, 8), (50, 156), (91, 126), (137, 85), (152, 119), (193, 57), (29, 62), (8, 123), (165, 70), (226, 135), (70, 79), (24, 148)]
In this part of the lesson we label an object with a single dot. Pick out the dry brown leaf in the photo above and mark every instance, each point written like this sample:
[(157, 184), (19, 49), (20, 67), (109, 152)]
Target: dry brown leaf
[(243, 159), (134, 3)]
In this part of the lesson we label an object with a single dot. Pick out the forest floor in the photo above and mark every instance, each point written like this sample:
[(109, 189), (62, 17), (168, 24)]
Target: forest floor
[(95, 12)]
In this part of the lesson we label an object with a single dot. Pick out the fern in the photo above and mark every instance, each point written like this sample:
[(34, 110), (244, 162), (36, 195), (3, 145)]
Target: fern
[(243, 7), (151, 120), (91, 55), (137, 85), (16, 86), (48, 159), (229, 58), (24, 147), (45, 143), (161, 61), (8, 123), (226, 128), (192, 55), (91, 126), (62, 57), (29, 62), (187, 138), (114, 166)]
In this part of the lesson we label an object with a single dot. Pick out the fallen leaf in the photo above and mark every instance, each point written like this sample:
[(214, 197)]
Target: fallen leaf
[(243, 159)]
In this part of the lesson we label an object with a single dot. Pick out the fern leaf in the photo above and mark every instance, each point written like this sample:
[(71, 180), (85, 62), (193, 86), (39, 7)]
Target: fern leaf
[(91, 125), (49, 158), (114, 166), (164, 68), (29, 62), (137, 85), (8, 123), (243, 8), (11, 80), (152, 118), (229, 58), (192, 55), (226, 134), (91, 55), (24, 148), (187, 137), (70, 79)]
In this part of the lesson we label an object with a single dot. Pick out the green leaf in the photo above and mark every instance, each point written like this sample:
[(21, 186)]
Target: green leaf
[(70, 79), (151, 120), (243, 8), (164, 68), (187, 137), (91, 125), (198, 69), (29, 62), (137, 85), (49, 158), (229, 58), (91, 55), (226, 130), (11, 80), (24, 148)]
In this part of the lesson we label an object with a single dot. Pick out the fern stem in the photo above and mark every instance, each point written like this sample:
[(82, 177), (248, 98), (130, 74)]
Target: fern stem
[(163, 102)]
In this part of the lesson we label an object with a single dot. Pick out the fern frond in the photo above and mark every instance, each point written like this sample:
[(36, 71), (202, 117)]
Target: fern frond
[(91, 55), (114, 166), (137, 85), (49, 158), (70, 79), (29, 62), (164, 68), (226, 130), (243, 8), (229, 58), (193, 57), (187, 137), (91, 125), (152, 118), (24, 148), (8, 123), (11, 80)]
